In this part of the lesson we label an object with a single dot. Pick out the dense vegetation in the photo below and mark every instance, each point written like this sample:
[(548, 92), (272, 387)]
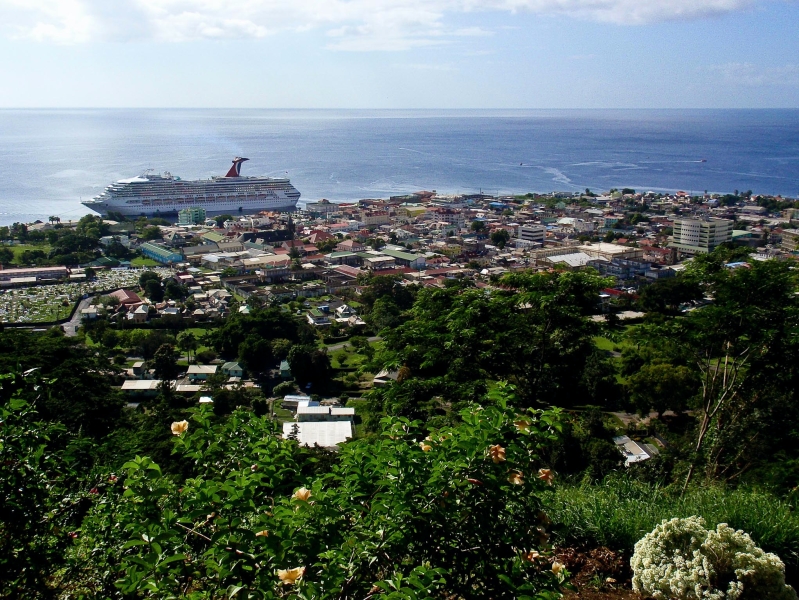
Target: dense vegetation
[(446, 494)]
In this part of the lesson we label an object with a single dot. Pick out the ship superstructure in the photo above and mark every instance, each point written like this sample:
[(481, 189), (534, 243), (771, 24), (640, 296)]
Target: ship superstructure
[(163, 194)]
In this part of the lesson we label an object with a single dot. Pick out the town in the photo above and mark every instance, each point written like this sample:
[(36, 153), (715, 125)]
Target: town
[(315, 264)]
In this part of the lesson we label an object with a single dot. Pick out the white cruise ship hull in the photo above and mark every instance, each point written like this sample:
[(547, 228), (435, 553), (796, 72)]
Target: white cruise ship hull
[(165, 195)]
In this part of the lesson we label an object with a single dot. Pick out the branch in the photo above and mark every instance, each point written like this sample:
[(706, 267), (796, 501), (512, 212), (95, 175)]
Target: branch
[(197, 533)]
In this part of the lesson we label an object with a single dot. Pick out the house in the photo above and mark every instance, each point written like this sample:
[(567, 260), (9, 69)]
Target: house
[(317, 318), (140, 314), (327, 434), (291, 401), (126, 297), (201, 372), (232, 369), (141, 388), (350, 246), (344, 311), (285, 370), (326, 426), (384, 377), (634, 452)]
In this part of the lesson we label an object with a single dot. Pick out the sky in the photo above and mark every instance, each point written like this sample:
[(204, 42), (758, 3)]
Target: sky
[(400, 54)]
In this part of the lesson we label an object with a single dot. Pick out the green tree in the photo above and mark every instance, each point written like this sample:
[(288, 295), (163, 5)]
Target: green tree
[(188, 343), (478, 226), (309, 365), (165, 363), (661, 387), (499, 238)]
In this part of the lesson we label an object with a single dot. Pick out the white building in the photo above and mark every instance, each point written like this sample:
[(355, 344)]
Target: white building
[(695, 236), (532, 233)]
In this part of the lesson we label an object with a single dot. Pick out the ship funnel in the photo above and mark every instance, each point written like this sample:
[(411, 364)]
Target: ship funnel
[(235, 170)]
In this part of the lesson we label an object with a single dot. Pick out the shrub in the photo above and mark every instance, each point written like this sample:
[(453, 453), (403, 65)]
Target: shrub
[(456, 514), (682, 560), (283, 388)]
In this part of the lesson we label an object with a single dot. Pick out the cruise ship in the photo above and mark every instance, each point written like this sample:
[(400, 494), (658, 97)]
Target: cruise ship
[(165, 194)]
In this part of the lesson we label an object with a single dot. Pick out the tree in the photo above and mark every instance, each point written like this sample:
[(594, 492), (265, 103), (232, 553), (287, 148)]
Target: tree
[(384, 313), (662, 387), (220, 219), (154, 291), (499, 238), (666, 295), (150, 233), (6, 255), (255, 354), (309, 365), (281, 348), (175, 291), (165, 363), (478, 226), (148, 276), (188, 343)]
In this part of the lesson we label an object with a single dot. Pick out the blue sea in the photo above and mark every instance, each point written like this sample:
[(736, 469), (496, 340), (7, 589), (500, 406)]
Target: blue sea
[(51, 159)]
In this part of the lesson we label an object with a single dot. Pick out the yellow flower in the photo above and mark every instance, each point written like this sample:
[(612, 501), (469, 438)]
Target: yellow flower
[(263, 533), (301, 494), (426, 447), (530, 556), (522, 425), (546, 475), (557, 567), (497, 453), (179, 427), (290, 576), (516, 478)]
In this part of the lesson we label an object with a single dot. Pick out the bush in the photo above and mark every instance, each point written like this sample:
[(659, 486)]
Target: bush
[(682, 560), (286, 387), (454, 514)]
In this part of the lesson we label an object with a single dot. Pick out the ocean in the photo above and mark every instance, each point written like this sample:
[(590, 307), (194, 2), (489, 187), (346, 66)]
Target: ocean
[(51, 159)]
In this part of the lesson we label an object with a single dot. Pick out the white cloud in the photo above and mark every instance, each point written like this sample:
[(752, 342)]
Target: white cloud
[(751, 75), (351, 24)]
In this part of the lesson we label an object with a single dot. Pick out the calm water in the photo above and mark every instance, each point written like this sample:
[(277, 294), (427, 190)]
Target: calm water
[(50, 159)]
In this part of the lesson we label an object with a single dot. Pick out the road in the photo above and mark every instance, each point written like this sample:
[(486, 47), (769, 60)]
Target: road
[(71, 326), (374, 338)]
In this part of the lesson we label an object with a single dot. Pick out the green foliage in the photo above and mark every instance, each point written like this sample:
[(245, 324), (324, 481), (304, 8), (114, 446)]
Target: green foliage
[(309, 365), (82, 398), (414, 517), (534, 333), (263, 324), (499, 238)]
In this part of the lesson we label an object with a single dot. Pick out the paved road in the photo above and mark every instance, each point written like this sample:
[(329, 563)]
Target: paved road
[(374, 338), (71, 326)]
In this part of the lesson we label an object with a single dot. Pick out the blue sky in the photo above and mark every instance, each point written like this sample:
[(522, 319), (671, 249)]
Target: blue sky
[(400, 53)]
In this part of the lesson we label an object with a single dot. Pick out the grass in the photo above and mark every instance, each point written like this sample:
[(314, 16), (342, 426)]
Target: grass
[(20, 248), (619, 511), (143, 261)]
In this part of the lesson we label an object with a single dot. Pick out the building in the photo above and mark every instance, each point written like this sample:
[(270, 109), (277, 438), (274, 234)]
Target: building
[(201, 372), (160, 253), (32, 275), (194, 215), (232, 369), (790, 239), (406, 259), (532, 233), (695, 236)]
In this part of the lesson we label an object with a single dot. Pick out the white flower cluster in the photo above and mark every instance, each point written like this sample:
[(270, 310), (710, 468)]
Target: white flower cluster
[(681, 560)]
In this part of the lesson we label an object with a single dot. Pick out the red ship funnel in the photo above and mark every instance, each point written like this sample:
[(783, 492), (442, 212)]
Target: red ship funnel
[(235, 170)]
